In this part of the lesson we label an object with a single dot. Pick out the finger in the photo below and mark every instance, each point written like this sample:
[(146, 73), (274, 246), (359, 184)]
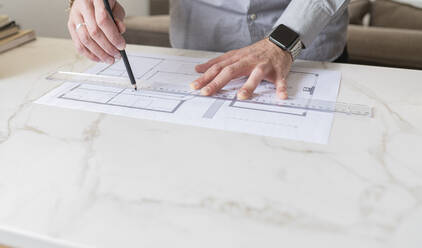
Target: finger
[(224, 77), (210, 74), (206, 66), (107, 25), (91, 45), (281, 88), (79, 46), (96, 32), (256, 77), (119, 11)]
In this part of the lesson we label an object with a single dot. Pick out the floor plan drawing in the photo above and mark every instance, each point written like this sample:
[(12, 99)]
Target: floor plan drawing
[(168, 97)]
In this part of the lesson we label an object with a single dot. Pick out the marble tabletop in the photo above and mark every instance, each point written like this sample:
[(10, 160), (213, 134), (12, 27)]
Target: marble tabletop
[(108, 181)]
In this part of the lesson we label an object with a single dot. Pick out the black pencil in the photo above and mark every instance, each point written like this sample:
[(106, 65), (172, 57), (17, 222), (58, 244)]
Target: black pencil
[(122, 52)]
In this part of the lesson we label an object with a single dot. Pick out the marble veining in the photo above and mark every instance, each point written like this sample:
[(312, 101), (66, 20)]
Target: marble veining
[(109, 181)]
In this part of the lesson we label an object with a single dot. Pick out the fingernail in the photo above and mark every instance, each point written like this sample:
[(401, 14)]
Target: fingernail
[(206, 91), (282, 95), (243, 95), (198, 68), (110, 61), (121, 46), (194, 85)]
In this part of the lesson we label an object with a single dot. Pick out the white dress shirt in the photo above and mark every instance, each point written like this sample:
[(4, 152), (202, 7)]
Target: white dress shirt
[(223, 25)]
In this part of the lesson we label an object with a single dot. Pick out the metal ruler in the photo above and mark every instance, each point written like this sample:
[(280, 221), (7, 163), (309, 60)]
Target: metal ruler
[(298, 103)]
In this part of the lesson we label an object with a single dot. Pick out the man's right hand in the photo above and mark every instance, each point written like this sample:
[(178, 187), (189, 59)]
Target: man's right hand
[(93, 31)]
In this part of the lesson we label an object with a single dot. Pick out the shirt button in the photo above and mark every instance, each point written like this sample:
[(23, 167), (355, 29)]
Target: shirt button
[(252, 17)]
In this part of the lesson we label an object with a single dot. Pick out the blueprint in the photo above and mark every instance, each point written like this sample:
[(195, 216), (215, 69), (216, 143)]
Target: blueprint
[(167, 97)]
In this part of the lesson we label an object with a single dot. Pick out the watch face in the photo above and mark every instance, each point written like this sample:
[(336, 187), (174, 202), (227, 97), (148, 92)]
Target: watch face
[(284, 36)]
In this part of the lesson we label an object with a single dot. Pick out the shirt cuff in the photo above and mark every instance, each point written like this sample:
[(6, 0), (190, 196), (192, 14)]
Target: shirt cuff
[(309, 17)]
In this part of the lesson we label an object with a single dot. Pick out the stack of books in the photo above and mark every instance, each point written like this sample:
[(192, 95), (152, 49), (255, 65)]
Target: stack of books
[(11, 35)]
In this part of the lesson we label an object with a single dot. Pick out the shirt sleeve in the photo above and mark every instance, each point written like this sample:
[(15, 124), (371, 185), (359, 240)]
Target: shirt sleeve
[(309, 17)]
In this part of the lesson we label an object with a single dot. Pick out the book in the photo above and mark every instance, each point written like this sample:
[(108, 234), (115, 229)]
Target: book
[(10, 30), (16, 40), (4, 20), (8, 25)]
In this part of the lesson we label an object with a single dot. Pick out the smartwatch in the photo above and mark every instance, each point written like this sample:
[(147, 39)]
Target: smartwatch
[(287, 39)]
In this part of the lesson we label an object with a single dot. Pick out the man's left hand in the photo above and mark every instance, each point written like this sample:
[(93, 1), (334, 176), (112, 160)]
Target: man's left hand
[(260, 61)]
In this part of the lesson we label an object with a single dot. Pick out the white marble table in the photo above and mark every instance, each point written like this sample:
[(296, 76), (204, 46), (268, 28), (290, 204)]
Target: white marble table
[(109, 181)]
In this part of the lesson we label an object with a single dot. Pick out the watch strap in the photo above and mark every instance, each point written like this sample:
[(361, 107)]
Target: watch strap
[(70, 5), (296, 49)]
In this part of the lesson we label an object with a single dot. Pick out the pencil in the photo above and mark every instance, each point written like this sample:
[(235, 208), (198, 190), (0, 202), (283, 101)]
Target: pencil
[(122, 52)]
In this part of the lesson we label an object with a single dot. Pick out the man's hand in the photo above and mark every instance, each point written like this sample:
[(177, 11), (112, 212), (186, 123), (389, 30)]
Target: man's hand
[(260, 61), (97, 36)]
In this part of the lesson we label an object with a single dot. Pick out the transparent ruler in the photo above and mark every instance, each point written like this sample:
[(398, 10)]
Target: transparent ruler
[(308, 104)]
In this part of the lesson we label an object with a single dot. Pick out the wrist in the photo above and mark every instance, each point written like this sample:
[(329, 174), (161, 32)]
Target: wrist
[(276, 50)]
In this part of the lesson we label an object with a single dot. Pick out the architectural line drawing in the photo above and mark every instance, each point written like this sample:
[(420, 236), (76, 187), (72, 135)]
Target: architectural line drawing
[(168, 97)]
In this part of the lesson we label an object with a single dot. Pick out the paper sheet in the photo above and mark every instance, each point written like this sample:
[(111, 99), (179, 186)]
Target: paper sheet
[(176, 103)]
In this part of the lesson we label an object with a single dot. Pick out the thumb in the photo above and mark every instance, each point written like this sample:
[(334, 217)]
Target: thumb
[(118, 11), (121, 26), (112, 3)]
